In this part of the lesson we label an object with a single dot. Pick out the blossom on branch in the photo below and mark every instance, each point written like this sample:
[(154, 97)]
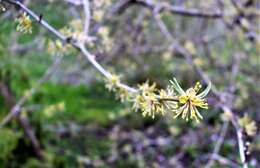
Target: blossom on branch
[(190, 100), (151, 101), (248, 125), (24, 24)]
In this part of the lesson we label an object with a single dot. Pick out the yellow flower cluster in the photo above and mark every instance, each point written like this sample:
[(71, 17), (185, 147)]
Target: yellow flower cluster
[(152, 101), (24, 24), (107, 41), (112, 85), (74, 31), (147, 100), (52, 109), (55, 47), (248, 125), (100, 7)]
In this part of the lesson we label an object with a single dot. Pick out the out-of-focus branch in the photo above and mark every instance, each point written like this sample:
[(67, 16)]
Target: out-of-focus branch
[(177, 9), (5, 92), (191, 12), (222, 160), (75, 2), (235, 70), (28, 130), (23, 121), (176, 46), (16, 109), (220, 141), (239, 133), (226, 107), (240, 20), (87, 16)]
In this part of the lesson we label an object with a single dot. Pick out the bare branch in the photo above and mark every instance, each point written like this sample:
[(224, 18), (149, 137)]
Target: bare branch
[(87, 16), (178, 10), (239, 133), (223, 160)]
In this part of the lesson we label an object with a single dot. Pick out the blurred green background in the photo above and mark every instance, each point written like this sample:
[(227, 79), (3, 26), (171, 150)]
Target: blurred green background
[(80, 124)]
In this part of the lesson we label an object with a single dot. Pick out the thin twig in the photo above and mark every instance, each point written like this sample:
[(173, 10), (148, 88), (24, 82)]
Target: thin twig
[(169, 99), (241, 145), (222, 160)]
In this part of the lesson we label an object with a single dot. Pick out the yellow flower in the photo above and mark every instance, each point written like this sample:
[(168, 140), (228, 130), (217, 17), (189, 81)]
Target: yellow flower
[(147, 88), (248, 125), (123, 94), (24, 24), (191, 97), (151, 106), (167, 98), (152, 101), (52, 109), (138, 100), (57, 47), (112, 82), (189, 101), (190, 47), (147, 101)]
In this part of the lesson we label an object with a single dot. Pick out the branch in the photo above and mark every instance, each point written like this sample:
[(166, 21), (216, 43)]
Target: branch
[(28, 130), (220, 141), (181, 50), (76, 44), (87, 16), (103, 71), (37, 18), (241, 145), (223, 160), (8, 97), (225, 104), (177, 9)]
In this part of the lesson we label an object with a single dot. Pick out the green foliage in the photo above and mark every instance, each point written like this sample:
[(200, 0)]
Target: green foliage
[(94, 102), (33, 163), (8, 142)]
